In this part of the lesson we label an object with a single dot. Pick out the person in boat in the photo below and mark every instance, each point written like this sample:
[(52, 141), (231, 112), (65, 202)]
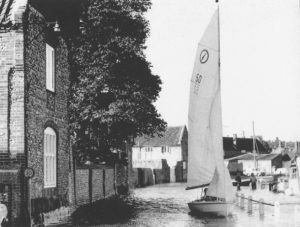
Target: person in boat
[(238, 180), (253, 181), (205, 197)]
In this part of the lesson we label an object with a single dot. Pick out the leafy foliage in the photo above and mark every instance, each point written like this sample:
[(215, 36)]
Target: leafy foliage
[(113, 88)]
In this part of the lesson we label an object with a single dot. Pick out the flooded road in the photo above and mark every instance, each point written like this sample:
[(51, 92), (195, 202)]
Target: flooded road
[(166, 205)]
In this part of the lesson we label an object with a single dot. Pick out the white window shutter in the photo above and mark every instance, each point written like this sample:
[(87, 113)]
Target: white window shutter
[(50, 158), (50, 68)]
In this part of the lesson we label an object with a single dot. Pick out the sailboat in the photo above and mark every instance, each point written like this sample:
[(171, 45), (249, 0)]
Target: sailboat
[(206, 167)]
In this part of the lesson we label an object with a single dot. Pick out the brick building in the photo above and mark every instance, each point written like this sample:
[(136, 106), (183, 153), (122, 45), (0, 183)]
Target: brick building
[(34, 90)]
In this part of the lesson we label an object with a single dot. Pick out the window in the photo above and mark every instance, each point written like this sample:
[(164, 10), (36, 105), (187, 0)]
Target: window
[(169, 149), (50, 68), (184, 164), (49, 158)]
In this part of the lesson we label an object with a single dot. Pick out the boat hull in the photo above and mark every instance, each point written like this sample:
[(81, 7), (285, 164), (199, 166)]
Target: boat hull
[(210, 207), (243, 183)]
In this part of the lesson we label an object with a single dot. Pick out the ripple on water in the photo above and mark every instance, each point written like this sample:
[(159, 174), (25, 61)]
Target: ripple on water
[(166, 206)]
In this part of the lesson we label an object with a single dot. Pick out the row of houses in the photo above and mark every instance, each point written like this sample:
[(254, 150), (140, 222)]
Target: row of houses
[(38, 179), (169, 153)]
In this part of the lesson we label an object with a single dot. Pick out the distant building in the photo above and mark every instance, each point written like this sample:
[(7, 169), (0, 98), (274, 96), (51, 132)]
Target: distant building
[(265, 162), (234, 146), (172, 146)]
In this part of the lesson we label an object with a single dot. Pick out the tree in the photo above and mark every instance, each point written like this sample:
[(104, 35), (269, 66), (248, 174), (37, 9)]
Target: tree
[(113, 89)]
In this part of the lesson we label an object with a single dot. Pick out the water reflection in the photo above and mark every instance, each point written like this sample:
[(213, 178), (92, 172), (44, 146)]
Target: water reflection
[(166, 205)]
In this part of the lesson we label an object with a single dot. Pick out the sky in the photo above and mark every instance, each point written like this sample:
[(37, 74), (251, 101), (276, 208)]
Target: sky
[(260, 62)]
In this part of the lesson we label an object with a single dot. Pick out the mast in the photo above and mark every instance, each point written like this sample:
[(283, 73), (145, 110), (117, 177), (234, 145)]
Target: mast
[(219, 34), (254, 150)]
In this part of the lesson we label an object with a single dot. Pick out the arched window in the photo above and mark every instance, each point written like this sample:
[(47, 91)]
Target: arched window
[(49, 158)]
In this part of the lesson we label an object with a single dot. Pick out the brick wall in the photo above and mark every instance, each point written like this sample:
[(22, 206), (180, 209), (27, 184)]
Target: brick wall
[(12, 153), (97, 184), (82, 186), (109, 182), (12, 180), (6, 64), (93, 183), (122, 181), (45, 109), (40, 112), (11, 92)]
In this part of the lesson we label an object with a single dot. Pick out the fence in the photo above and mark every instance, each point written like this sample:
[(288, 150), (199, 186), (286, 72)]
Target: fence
[(241, 198), (94, 183)]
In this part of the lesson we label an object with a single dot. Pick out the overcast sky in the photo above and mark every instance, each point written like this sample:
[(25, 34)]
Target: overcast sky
[(260, 62)]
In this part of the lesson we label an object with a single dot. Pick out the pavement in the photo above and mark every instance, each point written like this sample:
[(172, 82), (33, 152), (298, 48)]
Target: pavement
[(269, 197)]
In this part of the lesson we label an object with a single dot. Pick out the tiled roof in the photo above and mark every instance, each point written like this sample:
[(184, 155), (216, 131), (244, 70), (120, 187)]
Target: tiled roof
[(286, 157), (242, 144), (171, 137), (268, 156), (250, 156)]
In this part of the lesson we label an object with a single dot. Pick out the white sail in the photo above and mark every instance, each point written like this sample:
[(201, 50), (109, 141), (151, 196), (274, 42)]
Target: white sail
[(203, 89), (221, 185), (206, 155)]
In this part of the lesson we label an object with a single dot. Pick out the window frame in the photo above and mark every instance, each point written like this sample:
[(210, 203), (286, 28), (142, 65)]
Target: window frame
[(50, 76), (50, 158)]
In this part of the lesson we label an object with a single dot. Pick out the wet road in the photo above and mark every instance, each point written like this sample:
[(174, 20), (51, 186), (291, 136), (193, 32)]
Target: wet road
[(166, 205)]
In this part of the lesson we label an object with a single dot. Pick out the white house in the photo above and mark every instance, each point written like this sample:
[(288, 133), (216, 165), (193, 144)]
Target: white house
[(264, 162), (172, 146)]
